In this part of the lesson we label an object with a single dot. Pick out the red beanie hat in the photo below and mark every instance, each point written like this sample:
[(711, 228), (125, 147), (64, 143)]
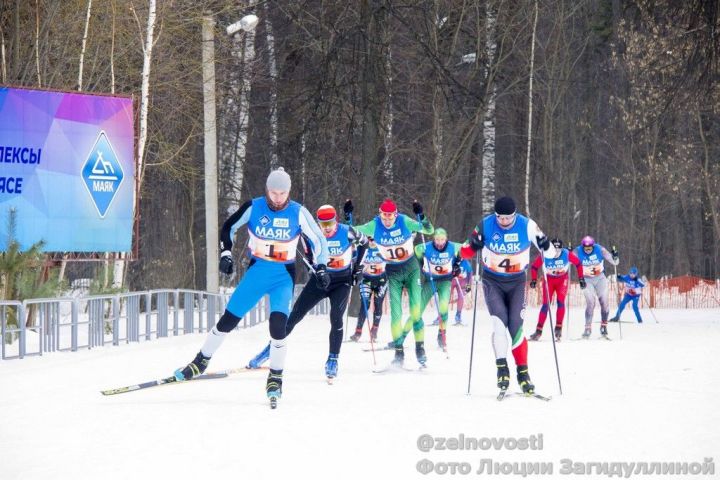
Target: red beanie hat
[(388, 206)]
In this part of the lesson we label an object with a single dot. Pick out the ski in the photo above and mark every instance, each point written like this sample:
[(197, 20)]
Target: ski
[(162, 381), (504, 394), (398, 368), (378, 348)]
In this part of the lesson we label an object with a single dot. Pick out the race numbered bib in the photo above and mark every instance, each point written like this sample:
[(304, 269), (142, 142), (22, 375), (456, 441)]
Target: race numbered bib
[(593, 270), (374, 268), (396, 253), (504, 263), (272, 250)]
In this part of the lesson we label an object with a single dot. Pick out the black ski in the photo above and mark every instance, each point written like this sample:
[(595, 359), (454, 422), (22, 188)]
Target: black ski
[(162, 381)]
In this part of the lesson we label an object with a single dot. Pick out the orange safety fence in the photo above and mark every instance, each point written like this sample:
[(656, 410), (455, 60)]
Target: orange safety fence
[(677, 292)]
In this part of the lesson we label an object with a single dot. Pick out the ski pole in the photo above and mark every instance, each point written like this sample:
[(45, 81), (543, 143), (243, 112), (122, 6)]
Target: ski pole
[(617, 294), (546, 291), (472, 335), (367, 321)]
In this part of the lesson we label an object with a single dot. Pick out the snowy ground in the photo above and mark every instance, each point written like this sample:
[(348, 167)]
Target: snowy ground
[(650, 397)]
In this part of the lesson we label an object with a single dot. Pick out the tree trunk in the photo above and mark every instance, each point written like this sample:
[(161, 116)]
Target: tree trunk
[(530, 113)]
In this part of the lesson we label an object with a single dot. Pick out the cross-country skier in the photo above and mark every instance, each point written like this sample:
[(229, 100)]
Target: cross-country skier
[(505, 238), (346, 247), (394, 235), (275, 224), (440, 261), (461, 285), (558, 277), (633, 293), (592, 256), (373, 286)]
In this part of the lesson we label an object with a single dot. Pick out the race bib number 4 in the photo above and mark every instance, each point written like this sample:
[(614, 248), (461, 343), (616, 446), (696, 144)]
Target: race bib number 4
[(507, 264)]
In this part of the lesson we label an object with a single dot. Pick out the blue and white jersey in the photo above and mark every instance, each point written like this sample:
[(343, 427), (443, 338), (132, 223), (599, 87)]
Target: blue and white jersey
[(507, 250), (559, 266), (633, 286), (396, 243), (340, 249), (440, 263), (465, 269), (373, 264), (593, 263), (273, 235)]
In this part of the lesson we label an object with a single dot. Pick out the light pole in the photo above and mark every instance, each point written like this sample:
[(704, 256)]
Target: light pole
[(247, 24)]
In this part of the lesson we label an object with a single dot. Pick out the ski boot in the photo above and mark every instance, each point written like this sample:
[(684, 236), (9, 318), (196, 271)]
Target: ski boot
[(331, 366), (536, 336), (356, 336), (420, 353), (458, 319), (192, 369), (373, 333), (558, 333), (399, 356), (586, 333), (603, 330), (523, 378), (260, 358), (614, 319), (442, 339), (503, 374), (400, 341), (436, 322), (273, 387)]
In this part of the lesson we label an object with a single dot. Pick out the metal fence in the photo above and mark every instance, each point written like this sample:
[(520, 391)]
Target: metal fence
[(37, 326)]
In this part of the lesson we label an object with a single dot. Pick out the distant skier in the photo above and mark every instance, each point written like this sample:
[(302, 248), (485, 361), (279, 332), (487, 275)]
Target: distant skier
[(633, 293), (505, 238), (558, 277), (461, 285), (592, 256), (275, 224), (440, 260), (346, 247), (394, 234), (373, 287)]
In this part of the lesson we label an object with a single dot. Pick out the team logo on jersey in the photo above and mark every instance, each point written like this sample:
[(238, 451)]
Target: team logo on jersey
[(444, 255), (395, 233), (511, 237), (333, 243), (264, 220), (281, 222), (496, 237)]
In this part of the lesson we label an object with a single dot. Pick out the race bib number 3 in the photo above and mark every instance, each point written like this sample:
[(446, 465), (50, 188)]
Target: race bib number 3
[(592, 270)]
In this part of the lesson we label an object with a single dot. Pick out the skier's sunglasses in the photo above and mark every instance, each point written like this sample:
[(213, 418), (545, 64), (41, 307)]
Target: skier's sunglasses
[(505, 217), (388, 216), (327, 223)]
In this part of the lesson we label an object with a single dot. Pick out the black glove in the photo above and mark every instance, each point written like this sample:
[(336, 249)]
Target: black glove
[(619, 277), (468, 287), (583, 284), (356, 275), (348, 209), (476, 241), (533, 283), (543, 242), (417, 209), (456, 270), (226, 262), (322, 276), (614, 253)]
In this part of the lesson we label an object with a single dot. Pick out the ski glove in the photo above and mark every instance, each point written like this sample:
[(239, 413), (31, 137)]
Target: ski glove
[(468, 287), (348, 209), (226, 262), (583, 284), (356, 275), (476, 241), (322, 276), (533, 284), (614, 253), (542, 242)]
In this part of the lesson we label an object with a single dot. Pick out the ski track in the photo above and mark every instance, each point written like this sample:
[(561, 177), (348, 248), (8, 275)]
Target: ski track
[(651, 396)]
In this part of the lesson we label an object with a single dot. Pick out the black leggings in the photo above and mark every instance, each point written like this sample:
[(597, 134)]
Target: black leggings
[(310, 296), (368, 287)]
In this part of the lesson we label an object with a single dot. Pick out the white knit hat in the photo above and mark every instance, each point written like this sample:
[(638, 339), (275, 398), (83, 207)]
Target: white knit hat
[(278, 180)]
